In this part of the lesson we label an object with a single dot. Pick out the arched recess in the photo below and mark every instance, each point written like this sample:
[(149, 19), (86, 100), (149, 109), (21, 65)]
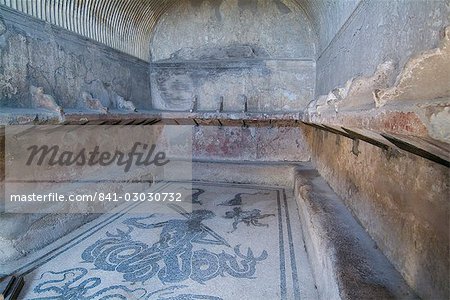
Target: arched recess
[(233, 55)]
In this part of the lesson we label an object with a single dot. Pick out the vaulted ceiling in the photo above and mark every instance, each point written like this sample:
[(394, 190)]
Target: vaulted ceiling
[(128, 25)]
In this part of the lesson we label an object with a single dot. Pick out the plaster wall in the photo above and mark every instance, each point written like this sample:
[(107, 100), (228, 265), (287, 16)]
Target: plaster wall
[(376, 32), (327, 18)]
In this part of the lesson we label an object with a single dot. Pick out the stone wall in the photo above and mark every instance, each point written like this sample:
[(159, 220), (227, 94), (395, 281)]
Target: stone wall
[(402, 201), (64, 64)]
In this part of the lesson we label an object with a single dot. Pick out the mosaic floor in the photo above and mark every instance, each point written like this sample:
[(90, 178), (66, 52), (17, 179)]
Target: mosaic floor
[(239, 242)]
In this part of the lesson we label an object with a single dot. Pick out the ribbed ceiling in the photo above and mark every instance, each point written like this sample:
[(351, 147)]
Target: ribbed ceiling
[(127, 25)]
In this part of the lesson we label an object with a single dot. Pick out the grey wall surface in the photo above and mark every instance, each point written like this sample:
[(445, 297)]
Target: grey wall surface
[(262, 51), (327, 18), (378, 31), (64, 64)]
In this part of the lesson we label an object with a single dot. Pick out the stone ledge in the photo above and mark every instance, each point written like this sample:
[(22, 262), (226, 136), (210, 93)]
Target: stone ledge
[(26, 116), (346, 261), (187, 118)]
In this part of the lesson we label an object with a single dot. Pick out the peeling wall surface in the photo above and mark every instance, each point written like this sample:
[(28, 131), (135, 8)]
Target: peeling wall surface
[(260, 52), (380, 31), (405, 209), (65, 65)]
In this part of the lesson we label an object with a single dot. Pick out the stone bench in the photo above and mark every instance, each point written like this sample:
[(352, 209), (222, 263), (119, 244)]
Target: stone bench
[(346, 262)]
